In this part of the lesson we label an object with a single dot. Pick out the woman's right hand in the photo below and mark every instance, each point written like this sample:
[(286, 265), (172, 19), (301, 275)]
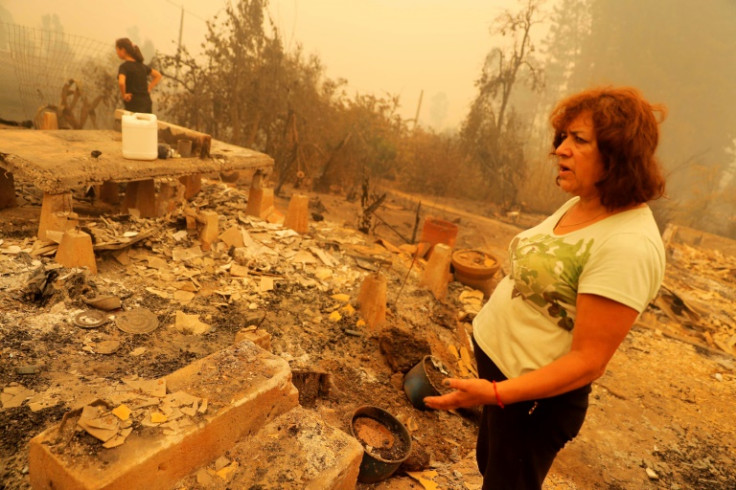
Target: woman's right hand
[(468, 393), (127, 97)]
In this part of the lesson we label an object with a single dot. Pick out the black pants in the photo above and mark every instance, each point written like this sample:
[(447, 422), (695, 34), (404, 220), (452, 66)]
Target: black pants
[(517, 444), (139, 103)]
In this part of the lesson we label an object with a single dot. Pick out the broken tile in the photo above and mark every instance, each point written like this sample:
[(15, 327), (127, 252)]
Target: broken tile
[(119, 439), (185, 286), (248, 241), (181, 398), (183, 297), (122, 412), (266, 284), (221, 462), (41, 401), (287, 233), (185, 254), (190, 324), (138, 351), (227, 472), (14, 395), (323, 274), (232, 237), (158, 292), (158, 417), (151, 387), (204, 478), (238, 271), (100, 426), (341, 297), (425, 478), (325, 257), (303, 257), (157, 263), (190, 411)]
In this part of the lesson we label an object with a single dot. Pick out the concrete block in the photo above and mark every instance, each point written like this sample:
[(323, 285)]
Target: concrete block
[(7, 190), (191, 223), (56, 214), (141, 195), (437, 274), (192, 185), (260, 202), (75, 250), (246, 387), (210, 228), (297, 216), (298, 450), (49, 120), (372, 300)]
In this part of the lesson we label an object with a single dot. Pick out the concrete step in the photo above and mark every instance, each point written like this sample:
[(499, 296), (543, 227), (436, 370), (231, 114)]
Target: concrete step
[(245, 388), (298, 450)]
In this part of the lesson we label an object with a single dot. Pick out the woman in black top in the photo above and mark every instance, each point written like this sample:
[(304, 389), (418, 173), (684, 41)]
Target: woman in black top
[(133, 77)]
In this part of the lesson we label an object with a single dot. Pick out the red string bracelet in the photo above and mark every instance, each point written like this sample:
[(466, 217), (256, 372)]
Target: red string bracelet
[(498, 398)]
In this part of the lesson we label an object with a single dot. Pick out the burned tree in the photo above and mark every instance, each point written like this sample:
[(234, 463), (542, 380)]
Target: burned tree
[(491, 131)]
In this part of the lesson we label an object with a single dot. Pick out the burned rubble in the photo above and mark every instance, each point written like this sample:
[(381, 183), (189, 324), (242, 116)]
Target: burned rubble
[(85, 350), (160, 301)]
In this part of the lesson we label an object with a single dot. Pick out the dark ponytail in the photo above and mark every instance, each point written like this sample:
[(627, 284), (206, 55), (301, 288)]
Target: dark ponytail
[(127, 45)]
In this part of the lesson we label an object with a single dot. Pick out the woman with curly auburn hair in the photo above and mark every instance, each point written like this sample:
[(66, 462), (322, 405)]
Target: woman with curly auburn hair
[(627, 134), (578, 282)]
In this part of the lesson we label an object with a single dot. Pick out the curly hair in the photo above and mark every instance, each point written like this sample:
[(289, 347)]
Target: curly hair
[(627, 133)]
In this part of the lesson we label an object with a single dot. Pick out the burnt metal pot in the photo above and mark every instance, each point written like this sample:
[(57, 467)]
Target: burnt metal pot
[(374, 468), (417, 384)]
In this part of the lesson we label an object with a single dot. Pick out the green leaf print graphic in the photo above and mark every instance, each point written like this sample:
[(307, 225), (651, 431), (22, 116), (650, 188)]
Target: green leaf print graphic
[(546, 270)]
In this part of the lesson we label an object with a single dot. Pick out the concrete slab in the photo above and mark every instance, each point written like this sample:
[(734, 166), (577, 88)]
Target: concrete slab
[(298, 450), (59, 161), (245, 386)]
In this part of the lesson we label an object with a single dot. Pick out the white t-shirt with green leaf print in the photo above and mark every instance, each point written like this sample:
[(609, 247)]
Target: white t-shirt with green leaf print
[(529, 319)]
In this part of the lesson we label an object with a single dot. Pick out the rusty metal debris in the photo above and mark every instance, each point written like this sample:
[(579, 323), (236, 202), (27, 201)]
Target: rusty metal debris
[(90, 319), (137, 321)]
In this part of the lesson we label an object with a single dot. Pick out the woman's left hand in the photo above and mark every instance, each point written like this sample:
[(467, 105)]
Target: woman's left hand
[(468, 393)]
